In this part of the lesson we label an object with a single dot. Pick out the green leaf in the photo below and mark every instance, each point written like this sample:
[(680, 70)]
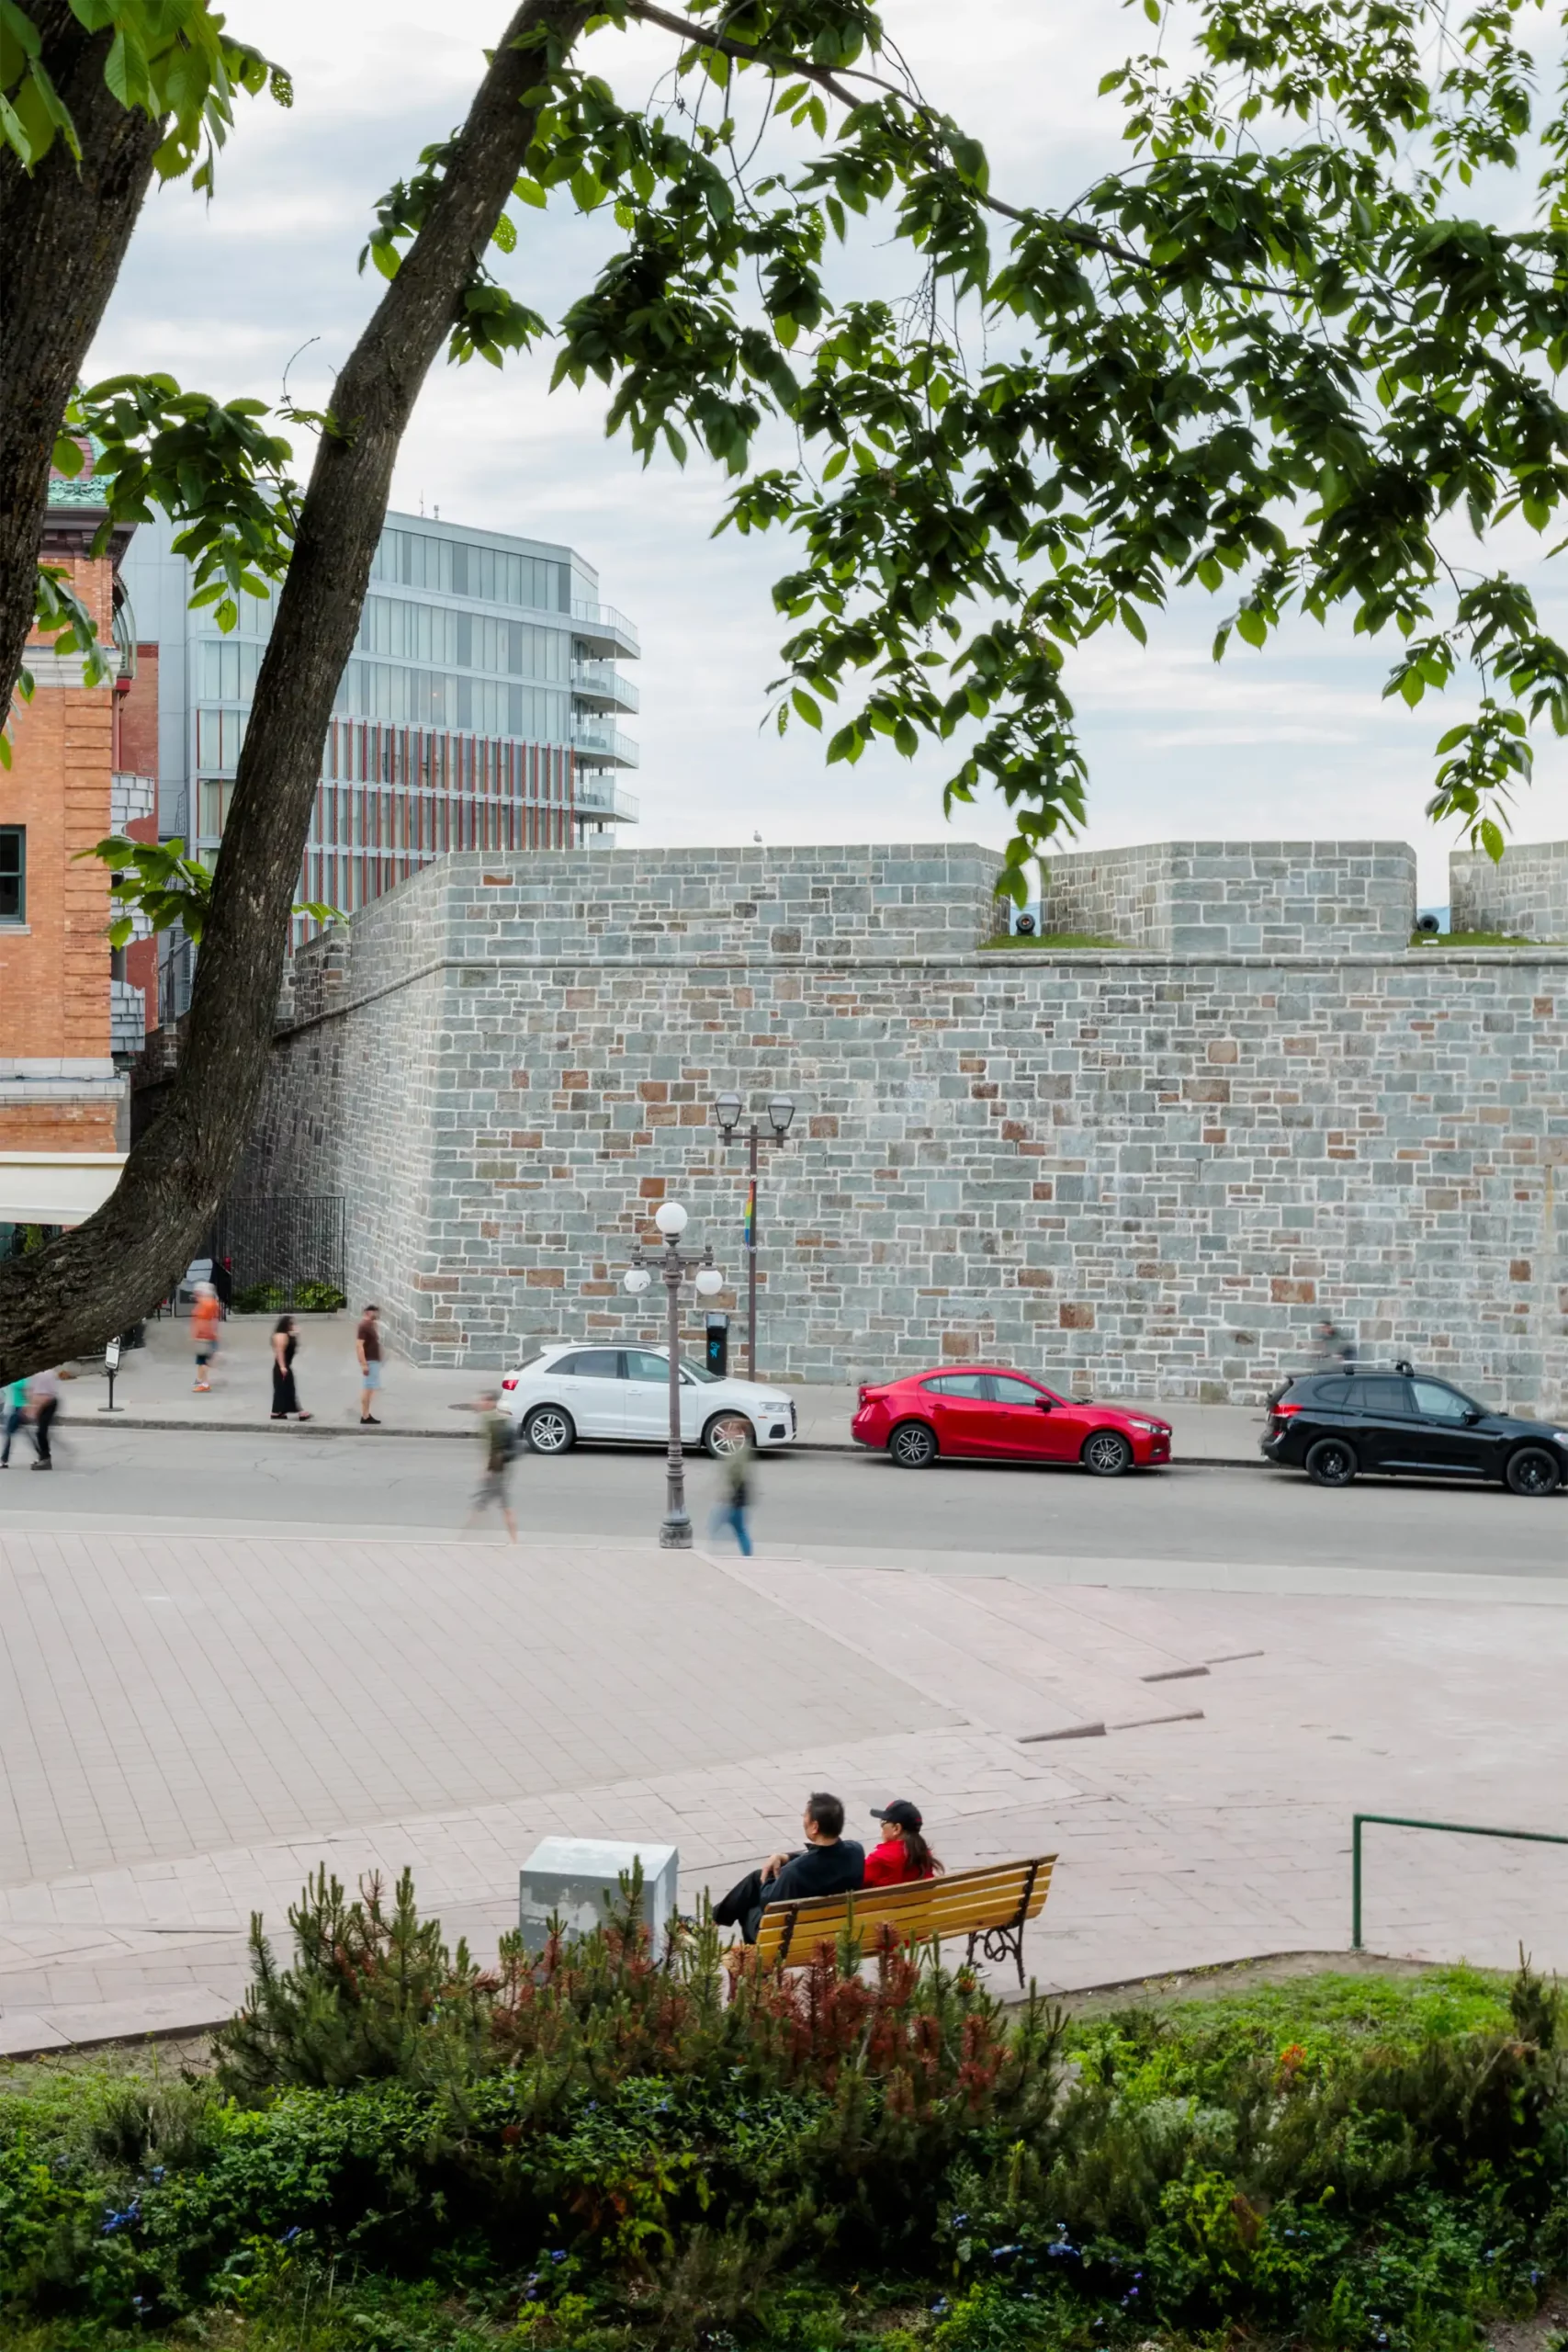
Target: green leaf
[(1492, 839)]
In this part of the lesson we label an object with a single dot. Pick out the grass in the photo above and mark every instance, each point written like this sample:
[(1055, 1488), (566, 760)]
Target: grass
[(1051, 941), (1478, 939)]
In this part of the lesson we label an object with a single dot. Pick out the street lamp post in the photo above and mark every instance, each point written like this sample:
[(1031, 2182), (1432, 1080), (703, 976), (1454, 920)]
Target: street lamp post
[(781, 1111), (674, 1264)]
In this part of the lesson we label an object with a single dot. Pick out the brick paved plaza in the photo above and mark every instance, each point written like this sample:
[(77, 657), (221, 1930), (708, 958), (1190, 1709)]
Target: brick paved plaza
[(188, 1726)]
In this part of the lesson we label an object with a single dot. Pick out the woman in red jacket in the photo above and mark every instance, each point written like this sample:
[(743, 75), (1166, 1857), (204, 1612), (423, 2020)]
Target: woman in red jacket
[(903, 1855)]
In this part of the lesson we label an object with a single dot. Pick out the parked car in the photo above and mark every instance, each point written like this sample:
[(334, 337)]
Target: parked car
[(1003, 1416), (570, 1390), (1405, 1423)]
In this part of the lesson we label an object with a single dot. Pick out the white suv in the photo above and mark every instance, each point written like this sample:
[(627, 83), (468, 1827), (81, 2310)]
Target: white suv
[(573, 1390)]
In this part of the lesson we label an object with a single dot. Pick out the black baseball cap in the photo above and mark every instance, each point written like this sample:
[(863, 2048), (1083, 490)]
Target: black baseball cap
[(905, 1815)]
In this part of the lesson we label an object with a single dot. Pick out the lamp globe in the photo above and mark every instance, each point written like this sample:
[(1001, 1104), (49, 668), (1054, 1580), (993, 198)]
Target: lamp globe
[(671, 1220), (710, 1281)]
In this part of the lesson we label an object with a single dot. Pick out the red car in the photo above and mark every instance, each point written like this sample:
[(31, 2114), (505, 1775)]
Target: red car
[(1005, 1417)]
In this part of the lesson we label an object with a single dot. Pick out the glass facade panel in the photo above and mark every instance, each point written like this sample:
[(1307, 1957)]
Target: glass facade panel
[(458, 722)]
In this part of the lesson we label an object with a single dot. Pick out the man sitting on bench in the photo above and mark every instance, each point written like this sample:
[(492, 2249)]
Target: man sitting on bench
[(828, 1863)]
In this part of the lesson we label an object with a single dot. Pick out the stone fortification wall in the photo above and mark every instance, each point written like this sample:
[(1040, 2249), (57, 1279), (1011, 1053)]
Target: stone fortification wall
[(1238, 897), (1526, 890), (1145, 1172)]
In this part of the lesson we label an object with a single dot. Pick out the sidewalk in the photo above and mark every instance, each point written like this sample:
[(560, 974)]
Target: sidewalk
[(155, 1387), (173, 1760)]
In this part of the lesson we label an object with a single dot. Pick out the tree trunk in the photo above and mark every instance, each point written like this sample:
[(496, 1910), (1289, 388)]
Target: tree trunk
[(64, 238), (68, 1298)]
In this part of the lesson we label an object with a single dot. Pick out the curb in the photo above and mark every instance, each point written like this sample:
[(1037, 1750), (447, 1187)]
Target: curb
[(349, 1428)]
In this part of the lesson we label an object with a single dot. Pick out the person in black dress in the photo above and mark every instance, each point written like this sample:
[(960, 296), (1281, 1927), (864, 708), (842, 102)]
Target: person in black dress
[(285, 1347)]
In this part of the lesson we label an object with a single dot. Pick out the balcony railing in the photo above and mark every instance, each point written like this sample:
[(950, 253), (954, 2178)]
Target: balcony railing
[(598, 798), (604, 623), (598, 743), (599, 684)]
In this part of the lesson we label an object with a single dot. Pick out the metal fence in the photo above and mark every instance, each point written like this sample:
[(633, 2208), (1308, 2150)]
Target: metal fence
[(290, 1246)]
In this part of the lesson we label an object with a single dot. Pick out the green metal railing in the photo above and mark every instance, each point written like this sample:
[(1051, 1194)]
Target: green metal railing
[(1451, 1828)]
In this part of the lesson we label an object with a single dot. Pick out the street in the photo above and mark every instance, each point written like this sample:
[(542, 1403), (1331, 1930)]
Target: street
[(291, 1478)]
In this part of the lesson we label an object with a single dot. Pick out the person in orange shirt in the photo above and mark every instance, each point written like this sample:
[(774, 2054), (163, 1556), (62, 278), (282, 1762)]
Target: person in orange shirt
[(903, 1855), (206, 1314)]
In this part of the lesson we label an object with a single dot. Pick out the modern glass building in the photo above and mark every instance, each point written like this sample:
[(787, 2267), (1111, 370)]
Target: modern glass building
[(479, 709)]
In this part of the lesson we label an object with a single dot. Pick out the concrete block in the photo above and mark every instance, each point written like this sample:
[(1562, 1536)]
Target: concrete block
[(573, 1877)]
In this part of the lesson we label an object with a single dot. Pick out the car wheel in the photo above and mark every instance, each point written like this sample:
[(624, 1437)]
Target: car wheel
[(1533, 1471), (912, 1446), (1331, 1463), (727, 1433), (1106, 1454), (550, 1429)]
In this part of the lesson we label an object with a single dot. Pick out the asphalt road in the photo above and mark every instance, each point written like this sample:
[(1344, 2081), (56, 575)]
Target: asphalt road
[(290, 1478)]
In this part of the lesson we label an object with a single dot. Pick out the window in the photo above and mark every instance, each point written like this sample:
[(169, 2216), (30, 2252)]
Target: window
[(956, 1384), (592, 1363), (1331, 1393), (1382, 1395), (1440, 1404), (1005, 1391), (641, 1366), (13, 873), (229, 670)]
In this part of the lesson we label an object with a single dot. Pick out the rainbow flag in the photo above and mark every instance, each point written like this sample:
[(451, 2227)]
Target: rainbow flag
[(749, 1222)]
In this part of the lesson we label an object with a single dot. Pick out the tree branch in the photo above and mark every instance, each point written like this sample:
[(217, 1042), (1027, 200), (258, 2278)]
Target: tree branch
[(93, 1280), (66, 229)]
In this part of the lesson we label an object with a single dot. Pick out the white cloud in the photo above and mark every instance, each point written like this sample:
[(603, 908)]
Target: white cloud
[(1297, 740)]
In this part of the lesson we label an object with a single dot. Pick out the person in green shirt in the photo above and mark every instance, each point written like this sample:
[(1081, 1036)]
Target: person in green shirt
[(13, 1409)]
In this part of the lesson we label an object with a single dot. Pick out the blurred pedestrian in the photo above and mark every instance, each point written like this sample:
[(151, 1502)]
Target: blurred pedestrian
[(284, 1396), (499, 1439), (1333, 1346), (367, 1348), (14, 1407), (206, 1315), (43, 1406), (735, 1487)]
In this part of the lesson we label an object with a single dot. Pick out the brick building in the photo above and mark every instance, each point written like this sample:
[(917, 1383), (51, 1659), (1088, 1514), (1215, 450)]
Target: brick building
[(71, 1012)]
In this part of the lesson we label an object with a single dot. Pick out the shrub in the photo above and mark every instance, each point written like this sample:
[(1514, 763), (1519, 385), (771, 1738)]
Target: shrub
[(596, 2149), (277, 1298)]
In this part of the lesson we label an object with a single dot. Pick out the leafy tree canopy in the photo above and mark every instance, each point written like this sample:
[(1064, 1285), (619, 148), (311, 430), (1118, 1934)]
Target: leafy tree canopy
[(1271, 357), (1268, 355)]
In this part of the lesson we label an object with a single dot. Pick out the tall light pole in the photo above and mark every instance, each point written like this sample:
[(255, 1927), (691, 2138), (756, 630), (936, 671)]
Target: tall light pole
[(727, 1111), (674, 1264)]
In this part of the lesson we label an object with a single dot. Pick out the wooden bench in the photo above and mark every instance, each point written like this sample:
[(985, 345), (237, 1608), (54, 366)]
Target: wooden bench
[(991, 1906)]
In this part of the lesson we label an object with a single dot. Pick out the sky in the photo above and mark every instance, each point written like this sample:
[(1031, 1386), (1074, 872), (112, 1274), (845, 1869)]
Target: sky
[(1291, 742)]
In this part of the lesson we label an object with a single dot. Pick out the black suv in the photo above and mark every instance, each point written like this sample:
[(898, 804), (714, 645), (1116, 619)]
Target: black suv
[(1332, 1424)]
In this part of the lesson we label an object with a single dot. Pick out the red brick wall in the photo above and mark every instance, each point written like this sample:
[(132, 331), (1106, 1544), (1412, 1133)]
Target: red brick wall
[(54, 977)]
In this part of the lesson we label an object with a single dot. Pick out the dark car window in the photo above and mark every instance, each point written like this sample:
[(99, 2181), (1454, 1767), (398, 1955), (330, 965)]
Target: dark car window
[(1440, 1404), (592, 1363), (1384, 1396), (956, 1384), (1007, 1391), (1333, 1393)]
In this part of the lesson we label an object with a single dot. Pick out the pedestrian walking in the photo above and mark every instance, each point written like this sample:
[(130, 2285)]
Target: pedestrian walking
[(735, 1482), (14, 1406), (367, 1348), (206, 1315), (43, 1407), (1333, 1346), (284, 1396), (499, 1439)]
